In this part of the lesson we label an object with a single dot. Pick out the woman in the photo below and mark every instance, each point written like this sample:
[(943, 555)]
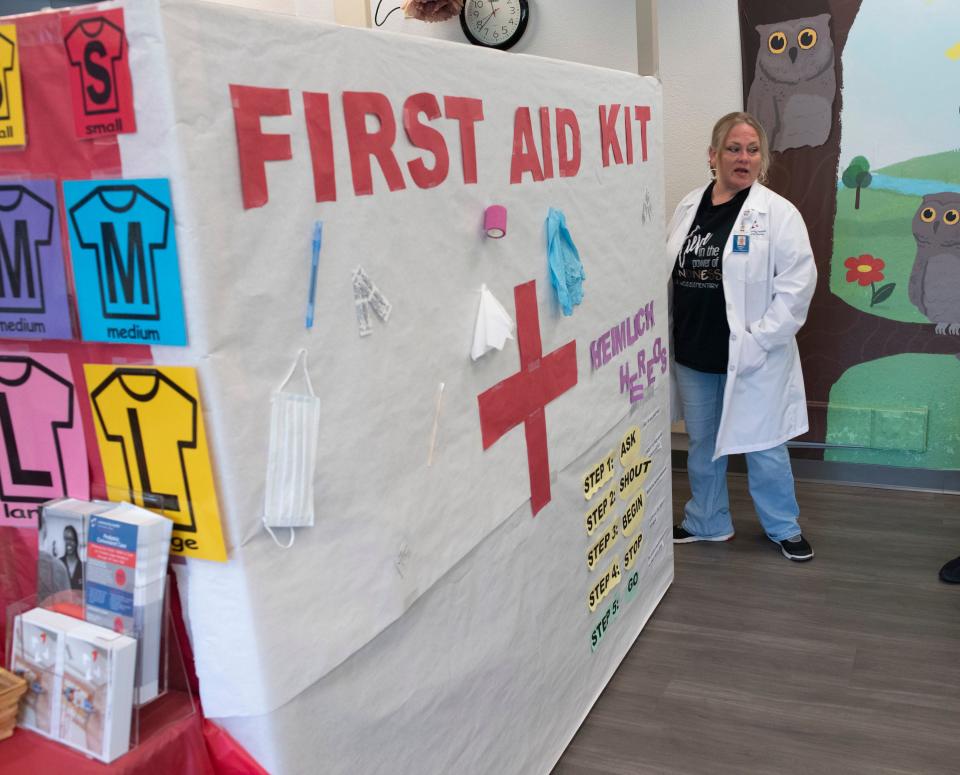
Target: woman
[(52, 576), (71, 559), (742, 279)]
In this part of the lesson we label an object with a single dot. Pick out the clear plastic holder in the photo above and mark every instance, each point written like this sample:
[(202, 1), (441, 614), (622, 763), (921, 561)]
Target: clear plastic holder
[(69, 672), (80, 681), (26, 658), (146, 500), (147, 622), (174, 698), (61, 703)]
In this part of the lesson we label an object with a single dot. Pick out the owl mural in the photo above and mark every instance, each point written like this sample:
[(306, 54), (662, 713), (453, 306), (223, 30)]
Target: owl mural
[(794, 84), (935, 280)]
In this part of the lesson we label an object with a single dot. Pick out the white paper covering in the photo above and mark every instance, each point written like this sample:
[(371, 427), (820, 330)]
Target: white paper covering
[(270, 623)]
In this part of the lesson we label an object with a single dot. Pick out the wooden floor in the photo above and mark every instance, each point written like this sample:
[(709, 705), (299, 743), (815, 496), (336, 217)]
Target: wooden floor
[(754, 664)]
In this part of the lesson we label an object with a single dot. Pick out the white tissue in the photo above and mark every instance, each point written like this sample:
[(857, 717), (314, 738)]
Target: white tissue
[(494, 325)]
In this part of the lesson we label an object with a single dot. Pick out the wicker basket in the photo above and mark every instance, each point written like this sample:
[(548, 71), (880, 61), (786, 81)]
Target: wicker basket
[(12, 688)]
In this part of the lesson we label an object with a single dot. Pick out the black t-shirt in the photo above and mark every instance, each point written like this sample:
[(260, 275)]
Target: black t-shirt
[(700, 330)]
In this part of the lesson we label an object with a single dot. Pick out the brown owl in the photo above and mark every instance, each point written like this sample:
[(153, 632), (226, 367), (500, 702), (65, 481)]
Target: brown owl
[(794, 84), (935, 280)]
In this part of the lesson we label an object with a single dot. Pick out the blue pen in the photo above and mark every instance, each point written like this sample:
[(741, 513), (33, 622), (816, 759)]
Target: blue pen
[(317, 240)]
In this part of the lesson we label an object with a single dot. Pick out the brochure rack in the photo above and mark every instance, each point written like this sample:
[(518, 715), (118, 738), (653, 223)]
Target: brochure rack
[(74, 673)]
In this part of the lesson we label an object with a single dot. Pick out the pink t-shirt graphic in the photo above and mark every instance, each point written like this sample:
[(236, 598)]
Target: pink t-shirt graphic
[(42, 454)]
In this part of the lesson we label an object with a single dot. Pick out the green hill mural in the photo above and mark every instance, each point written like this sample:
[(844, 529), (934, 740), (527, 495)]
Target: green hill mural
[(944, 167), (879, 234)]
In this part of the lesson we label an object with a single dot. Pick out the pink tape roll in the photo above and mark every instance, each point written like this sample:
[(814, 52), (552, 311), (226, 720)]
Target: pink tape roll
[(495, 221)]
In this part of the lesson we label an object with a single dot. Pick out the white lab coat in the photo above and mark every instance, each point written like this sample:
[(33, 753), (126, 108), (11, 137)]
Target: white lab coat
[(767, 291)]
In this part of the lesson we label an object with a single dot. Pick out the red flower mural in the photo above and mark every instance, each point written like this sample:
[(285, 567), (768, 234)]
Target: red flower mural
[(868, 270), (864, 269)]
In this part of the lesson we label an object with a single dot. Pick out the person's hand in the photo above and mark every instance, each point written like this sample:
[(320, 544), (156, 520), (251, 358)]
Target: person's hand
[(752, 355)]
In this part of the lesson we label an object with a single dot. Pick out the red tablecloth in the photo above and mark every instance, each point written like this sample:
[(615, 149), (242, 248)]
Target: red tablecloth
[(171, 741)]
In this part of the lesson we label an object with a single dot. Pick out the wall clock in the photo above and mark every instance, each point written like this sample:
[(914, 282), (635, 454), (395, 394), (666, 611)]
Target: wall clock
[(494, 23)]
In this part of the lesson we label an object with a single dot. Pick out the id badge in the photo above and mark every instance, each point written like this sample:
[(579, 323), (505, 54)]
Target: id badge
[(741, 243)]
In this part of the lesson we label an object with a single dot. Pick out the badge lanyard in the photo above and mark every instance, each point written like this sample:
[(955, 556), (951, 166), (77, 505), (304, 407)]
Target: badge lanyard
[(741, 240)]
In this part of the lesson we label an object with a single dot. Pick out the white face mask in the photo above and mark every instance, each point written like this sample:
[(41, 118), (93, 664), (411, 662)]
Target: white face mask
[(291, 456)]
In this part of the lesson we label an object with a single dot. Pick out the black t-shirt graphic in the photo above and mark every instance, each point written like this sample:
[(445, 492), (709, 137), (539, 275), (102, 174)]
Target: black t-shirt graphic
[(700, 327)]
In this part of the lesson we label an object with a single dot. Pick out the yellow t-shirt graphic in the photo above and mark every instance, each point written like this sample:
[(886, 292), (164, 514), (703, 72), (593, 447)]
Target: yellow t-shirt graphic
[(153, 445), (12, 123)]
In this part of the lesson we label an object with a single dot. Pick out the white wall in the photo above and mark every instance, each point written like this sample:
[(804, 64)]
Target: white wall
[(601, 32), (699, 45), (343, 11)]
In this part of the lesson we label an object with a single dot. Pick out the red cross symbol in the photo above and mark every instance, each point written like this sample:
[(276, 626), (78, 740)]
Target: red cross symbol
[(521, 397)]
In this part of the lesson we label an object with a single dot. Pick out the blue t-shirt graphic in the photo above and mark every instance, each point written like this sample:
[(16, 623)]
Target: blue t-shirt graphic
[(125, 261), (125, 226)]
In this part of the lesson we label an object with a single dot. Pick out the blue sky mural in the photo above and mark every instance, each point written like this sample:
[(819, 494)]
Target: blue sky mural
[(901, 65)]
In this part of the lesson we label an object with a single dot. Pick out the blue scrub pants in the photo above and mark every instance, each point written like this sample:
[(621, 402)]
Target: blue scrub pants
[(769, 475)]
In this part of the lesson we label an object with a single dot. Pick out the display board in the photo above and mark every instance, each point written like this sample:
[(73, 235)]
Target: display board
[(489, 534)]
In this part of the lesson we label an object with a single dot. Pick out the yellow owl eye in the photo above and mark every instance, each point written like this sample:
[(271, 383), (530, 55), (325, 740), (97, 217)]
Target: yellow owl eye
[(927, 214), (807, 38), (777, 43), (950, 217)]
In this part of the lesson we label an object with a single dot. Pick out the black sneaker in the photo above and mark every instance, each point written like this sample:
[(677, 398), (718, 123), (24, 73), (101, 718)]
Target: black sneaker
[(949, 572), (681, 536), (796, 548)]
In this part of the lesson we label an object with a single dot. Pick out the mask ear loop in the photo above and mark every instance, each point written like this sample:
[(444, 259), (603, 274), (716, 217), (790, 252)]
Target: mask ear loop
[(276, 540), (302, 354)]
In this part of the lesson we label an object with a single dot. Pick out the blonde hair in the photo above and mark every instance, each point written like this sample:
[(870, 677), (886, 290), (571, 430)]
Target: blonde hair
[(722, 128)]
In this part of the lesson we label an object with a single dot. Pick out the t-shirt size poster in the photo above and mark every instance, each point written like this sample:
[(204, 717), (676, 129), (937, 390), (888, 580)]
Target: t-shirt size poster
[(33, 291), (99, 75), (153, 445), (43, 455), (125, 264), (12, 119)]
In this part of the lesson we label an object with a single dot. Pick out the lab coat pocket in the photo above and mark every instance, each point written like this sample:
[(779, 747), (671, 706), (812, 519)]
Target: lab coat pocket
[(752, 355), (756, 299)]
